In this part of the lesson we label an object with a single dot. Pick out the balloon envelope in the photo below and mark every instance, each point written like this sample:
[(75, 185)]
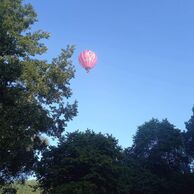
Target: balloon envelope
[(87, 59)]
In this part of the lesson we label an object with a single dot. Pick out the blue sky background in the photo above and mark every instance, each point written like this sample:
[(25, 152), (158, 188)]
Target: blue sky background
[(146, 60)]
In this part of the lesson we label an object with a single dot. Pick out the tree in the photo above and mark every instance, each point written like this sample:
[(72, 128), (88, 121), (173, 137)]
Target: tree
[(160, 147), (157, 160), (33, 92), (189, 137), (84, 162)]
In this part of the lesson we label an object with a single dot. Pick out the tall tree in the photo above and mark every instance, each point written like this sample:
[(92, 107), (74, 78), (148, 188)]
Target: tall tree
[(84, 162), (160, 147), (33, 92), (157, 161)]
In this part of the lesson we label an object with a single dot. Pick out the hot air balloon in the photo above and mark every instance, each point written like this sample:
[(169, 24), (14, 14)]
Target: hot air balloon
[(87, 59)]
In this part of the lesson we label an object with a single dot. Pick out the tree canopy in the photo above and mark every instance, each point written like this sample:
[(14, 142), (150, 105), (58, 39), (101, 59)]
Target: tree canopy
[(160, 146), (83, 162), (33, 92), (159, 151), (86, 162)]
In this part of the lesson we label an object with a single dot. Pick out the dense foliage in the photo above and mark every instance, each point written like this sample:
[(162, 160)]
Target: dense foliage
[(82, 163), (160, 147), (160, 150), (18, 188), (86, 162), (32, 91)]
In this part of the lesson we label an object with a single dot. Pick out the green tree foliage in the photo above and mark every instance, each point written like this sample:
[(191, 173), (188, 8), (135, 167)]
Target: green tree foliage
[(27, 188), (84, 162), (21, 188), (156, 163), (138, 179), (159, 160), (189, 137), (33, 92), (160, 147)]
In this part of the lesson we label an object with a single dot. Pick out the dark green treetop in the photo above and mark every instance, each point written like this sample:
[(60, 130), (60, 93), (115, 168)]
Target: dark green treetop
[(84, 162), (160, 146)]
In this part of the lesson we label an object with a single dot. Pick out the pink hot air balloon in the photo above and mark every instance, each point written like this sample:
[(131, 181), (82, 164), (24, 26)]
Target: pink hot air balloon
[(87, 59)]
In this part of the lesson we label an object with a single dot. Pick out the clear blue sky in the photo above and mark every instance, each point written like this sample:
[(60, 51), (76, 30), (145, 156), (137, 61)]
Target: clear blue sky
[(146, 60)]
